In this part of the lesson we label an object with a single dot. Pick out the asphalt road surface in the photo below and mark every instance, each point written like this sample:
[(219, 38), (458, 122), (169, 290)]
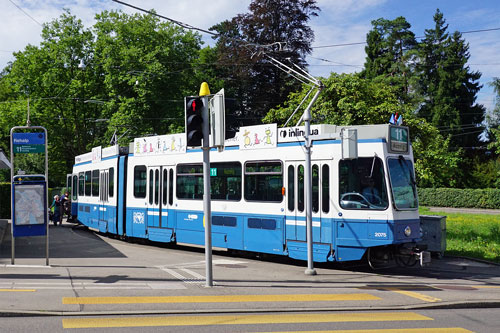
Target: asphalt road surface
[(97, 283)]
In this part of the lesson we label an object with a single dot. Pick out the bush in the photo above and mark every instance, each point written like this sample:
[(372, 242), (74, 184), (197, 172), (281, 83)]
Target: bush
[(4, 200), (459, 198)]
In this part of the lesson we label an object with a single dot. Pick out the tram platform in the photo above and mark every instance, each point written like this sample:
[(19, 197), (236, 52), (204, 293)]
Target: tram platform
[(91, 274)]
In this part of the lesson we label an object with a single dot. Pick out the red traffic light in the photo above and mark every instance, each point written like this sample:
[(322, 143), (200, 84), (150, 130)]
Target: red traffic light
[(194, 105), (194, 121)]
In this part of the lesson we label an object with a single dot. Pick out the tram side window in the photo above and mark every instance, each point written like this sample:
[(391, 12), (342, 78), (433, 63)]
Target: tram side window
[(88, 183), (300, 188), (95, 183), (264, 181), (81, 184), (315, 188), (362, 184), (151, 181), (291, 188), (189, 181), (74, 187), (157, 186), (111, 183), (171, 187), (140, 181), (325, 188), (225, 181), (164, 187)]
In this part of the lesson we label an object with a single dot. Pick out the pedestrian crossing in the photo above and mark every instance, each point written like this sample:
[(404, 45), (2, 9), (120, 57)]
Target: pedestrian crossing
[(239, 321), (228, 319)]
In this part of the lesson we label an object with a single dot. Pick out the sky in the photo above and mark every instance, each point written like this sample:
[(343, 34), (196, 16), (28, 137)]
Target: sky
[(339, 22)]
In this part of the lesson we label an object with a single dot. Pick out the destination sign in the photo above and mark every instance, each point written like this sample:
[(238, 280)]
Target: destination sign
[(398, 139)]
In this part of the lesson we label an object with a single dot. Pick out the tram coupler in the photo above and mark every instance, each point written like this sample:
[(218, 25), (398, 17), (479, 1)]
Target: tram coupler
[(409, 255), (424, 258)]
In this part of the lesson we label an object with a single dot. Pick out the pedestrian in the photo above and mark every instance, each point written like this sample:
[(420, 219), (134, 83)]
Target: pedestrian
[(56, 205), (66, 205)]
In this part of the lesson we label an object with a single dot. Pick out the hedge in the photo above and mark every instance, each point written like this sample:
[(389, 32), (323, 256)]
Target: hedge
[(460, 198), (4, 200)]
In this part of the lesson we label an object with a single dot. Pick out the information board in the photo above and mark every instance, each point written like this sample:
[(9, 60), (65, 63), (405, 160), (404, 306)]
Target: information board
[(30, 209)]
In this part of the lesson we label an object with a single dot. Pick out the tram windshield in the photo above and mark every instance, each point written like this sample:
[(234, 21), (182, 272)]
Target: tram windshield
[(403, 183), (362, 184)]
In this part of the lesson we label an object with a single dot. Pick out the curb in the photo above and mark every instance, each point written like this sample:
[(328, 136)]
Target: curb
[(440, 306)]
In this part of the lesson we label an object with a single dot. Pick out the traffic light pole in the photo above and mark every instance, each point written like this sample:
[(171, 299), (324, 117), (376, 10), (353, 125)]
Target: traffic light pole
[(206, 194)]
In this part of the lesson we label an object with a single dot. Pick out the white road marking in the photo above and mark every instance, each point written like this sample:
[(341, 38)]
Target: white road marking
[(181, 271), (92, 285)]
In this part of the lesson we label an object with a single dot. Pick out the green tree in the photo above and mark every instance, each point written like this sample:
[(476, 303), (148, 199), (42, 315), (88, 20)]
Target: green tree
[(280, 27), (53, 77), (127, 75), (390, 54), (435, 164), (448, 86), (148, 68), (493, 119), (348, 99)]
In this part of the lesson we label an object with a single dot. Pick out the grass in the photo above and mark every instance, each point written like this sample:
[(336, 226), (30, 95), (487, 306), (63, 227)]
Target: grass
[(471, 235)]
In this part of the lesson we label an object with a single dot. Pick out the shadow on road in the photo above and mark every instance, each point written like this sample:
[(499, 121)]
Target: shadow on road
[(65, 241)]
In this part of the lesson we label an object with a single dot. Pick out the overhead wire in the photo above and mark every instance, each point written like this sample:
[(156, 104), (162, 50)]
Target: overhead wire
[(31, 17), (418, 37)]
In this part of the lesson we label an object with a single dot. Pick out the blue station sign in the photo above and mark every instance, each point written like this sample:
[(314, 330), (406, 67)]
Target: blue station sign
[(28, 142)]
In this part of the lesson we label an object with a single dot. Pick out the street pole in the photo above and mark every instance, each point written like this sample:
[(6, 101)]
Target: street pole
[(207, 214), (308, 185)]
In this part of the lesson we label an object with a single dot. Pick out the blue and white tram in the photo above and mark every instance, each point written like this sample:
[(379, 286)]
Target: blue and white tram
[(362, 205)]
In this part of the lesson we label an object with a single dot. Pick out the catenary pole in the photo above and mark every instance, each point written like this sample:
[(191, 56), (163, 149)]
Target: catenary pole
[(308, 184)]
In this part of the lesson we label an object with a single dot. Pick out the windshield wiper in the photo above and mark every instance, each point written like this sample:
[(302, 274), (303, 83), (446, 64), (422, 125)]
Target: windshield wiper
[(404, 165)]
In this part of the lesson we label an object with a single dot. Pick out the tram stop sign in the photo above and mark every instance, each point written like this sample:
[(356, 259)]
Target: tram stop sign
[(26, 143)]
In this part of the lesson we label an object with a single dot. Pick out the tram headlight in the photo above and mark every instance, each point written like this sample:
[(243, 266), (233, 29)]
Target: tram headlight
[(407, 231)]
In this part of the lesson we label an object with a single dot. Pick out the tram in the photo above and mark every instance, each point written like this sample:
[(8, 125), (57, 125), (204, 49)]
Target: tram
[(364, 205)]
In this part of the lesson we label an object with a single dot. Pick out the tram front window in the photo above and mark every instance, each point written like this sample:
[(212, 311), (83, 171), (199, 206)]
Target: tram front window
[(362, 184), (403, 183)]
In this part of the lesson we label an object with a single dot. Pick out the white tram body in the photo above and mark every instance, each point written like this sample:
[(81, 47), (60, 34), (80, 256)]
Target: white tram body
[(363, 204)]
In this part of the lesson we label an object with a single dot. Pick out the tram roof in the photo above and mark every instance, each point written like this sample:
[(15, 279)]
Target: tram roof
[(284, 134)]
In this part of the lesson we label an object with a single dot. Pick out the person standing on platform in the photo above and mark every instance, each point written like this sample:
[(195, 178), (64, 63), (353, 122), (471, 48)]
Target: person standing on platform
[(56, 204)]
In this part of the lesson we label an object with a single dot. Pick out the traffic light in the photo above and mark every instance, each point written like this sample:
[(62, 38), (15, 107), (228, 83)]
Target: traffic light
[(194, 121)]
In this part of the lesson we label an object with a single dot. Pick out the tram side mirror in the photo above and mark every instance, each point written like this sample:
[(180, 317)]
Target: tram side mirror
[(349, 143)]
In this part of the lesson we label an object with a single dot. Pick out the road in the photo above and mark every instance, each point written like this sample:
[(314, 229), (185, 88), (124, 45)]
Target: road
[(98, 282), (429, 321)]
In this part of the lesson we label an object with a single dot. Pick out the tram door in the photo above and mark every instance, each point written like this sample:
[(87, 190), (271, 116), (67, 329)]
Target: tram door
[(104, 207), (296, 199), (167, 217), (154, 196), (160, 196), (69, 183)]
